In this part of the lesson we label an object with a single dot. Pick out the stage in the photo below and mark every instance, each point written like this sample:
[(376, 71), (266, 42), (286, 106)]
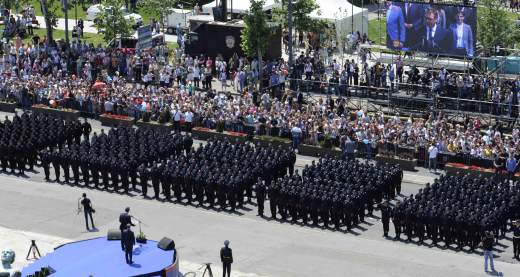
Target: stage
[(100, 257)]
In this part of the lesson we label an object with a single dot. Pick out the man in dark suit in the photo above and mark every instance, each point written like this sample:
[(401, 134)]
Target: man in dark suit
[(413, 20), (128, 240), (226, 256), (434, 38), (124, 220)]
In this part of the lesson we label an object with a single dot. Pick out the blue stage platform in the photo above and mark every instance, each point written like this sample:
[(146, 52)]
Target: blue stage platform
[(100, 257)]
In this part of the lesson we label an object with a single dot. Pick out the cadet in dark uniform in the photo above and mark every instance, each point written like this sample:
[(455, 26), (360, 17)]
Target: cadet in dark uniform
[(56, 165), (516, 239), (226, 257), (45, 161), (143, 178), (260, 196), (385, 217)]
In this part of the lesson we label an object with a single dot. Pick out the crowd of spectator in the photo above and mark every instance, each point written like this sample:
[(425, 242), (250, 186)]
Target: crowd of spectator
[(97, 80)]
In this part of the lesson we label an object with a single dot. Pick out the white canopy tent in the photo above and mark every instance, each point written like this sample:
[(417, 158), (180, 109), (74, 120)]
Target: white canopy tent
[(239, 6), (344, 15), (339, 12)]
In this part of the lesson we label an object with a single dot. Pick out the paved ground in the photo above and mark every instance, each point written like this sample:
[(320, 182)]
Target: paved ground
[(46, 212)]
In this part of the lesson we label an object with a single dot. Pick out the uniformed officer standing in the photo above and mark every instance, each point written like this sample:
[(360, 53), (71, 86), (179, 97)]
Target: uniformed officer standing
[(260, 196), (516, 239), (385, 217), (143, 179), (226, 257)]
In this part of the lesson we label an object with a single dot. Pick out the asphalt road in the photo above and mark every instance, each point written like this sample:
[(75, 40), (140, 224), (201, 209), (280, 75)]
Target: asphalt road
[(261, 247)]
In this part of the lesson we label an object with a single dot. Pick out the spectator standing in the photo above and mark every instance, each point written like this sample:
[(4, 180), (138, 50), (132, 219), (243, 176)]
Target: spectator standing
[(296, 133), (432, 155), (188, 119), (511, 167)]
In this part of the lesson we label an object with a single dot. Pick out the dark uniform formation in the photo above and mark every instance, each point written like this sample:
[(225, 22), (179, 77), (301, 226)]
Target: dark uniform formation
[(22, 138), (111, 160), (219, 173), (458, 210), (337, 192)]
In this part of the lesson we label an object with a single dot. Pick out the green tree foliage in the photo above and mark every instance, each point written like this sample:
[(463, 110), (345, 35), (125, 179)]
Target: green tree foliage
[(111, 22), (495, 28), (49, 11), (158, 9), (256, 33), (302, 21)]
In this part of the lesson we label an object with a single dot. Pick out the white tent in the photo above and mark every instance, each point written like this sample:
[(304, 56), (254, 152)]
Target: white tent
[(239, 6), (340, 12), (344, 15)]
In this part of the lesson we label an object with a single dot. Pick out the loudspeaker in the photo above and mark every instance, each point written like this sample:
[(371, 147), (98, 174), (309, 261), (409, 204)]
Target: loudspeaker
[(166, 244), (217, 14), (114, 234)]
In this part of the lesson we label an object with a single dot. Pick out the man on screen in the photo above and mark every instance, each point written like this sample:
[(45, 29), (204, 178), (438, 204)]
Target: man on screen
[(395, 28), (413, 20), (462, 36), (434, 38)]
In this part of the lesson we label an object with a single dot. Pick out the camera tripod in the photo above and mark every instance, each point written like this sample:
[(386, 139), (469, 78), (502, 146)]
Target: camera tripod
[(34, 250), (208, 268)]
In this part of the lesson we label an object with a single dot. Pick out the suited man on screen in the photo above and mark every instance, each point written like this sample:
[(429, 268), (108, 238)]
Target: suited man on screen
[(434, 38), (413, 20), (395, 28), (462, 36)]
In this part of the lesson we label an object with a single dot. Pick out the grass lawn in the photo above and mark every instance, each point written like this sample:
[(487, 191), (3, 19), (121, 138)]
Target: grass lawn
[(82, 13), (374, 32), (57, 3), (93, 38), (60, 34)]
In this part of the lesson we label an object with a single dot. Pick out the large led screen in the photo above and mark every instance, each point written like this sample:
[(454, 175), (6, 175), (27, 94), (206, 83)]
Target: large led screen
[(434, 28)]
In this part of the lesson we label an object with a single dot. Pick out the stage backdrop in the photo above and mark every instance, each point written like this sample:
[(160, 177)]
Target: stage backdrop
[(218, 38), (442, 29)]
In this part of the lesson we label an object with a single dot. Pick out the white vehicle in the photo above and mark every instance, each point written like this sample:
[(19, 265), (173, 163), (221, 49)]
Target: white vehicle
[(176, 17), (94, 10)]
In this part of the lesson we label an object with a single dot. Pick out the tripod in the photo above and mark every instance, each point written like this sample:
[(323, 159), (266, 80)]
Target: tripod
[(34, 250), (208, 268)]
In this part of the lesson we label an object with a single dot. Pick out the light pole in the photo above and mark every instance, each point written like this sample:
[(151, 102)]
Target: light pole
[(289, 25)]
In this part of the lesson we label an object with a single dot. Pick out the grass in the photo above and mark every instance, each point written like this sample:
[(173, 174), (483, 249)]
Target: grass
[(82, 13), (60, 34), (375, 33)]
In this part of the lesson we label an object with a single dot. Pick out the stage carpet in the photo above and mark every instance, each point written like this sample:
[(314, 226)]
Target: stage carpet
[(100, 257)]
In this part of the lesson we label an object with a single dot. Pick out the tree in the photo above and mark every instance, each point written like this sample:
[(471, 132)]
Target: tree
[(302, 21), (159, 8), (111, 21), (256, 33), (49, 11), (495, 27)]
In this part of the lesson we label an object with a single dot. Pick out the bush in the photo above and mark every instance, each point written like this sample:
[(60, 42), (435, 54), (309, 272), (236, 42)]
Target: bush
[(147, 116), (326, 142), (165, 116), (220, 126)]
